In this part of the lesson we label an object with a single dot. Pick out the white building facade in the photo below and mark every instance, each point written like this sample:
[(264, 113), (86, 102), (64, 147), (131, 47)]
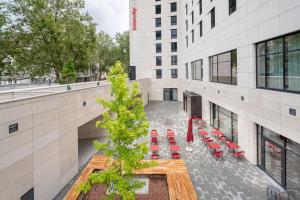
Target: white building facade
[(242, 57)]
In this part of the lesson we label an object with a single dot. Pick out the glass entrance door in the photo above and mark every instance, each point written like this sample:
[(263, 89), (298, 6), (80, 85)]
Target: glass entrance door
[(273, 160), (170, 94)]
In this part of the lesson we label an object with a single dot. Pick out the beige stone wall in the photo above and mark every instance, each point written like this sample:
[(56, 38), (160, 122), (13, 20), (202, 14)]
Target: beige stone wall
[(43, 153)]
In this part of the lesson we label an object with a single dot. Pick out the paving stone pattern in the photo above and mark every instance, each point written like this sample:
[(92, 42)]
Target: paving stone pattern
[(228, 179)]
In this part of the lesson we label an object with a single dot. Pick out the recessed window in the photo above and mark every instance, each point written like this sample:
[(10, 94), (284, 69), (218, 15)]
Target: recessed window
[(158, 60), (158, 73), (174, 60), (173, 46), (212, 18), (193, 36), (278, 63), (157, 9), (232, 6), (186, 9), (223, 68), (197, 70), (158, 48), (192, 15), (157, 22), (186, 71), (200, 7), (158, 35), (200, 29), (173, 33), (186, 25), (173, 20), (174, 73), (173, 7), (186, 41)]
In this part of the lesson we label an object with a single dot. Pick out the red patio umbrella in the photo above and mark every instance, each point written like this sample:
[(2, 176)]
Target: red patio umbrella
[(190, 135)]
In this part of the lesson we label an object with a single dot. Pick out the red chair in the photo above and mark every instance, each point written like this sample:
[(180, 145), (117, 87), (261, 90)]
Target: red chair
[(218, 154), (154, 140), (175, 156), (239, 155), (155, 156), (222, 138), (172, 141), (204, 139)]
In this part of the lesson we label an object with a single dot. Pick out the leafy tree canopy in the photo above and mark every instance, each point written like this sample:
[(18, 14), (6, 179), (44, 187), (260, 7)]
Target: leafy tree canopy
[(126, 123)]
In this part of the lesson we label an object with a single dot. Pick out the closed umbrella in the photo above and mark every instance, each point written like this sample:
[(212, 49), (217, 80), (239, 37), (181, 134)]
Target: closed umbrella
[(190, 135)]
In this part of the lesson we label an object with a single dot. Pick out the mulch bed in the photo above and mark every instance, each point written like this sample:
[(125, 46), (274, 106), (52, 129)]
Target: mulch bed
[(158, 190)]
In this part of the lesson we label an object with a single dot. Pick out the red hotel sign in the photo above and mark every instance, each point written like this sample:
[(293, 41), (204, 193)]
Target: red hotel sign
[(134, 11)]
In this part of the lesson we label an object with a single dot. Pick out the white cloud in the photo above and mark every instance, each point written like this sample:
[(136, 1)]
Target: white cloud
[(111, 16)]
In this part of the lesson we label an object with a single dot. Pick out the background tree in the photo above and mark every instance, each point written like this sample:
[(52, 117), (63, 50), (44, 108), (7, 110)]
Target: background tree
[(122, 48), (104, 56), (69, 73), (48, 33), (126, 122)]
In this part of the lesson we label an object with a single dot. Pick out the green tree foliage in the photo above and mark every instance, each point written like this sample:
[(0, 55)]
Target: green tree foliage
[(48, 33), (104, 56), (122, 48), (69, 72), (126, 122)]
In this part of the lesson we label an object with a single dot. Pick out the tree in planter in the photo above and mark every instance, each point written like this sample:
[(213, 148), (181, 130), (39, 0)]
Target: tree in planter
[(126, 122), (69, 73)]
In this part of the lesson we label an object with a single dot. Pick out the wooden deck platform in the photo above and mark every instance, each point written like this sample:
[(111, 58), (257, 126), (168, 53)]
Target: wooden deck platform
[(179, 182)]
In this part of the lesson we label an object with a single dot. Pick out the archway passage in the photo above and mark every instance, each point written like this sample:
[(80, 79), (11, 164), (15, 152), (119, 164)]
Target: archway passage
[(87, 133)]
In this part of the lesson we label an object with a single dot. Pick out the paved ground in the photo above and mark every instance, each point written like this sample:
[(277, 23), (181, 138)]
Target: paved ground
[(212, 179)]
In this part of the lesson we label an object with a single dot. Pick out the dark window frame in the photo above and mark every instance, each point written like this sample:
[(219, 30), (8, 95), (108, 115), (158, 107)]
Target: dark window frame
[(173, 36), (158, 47), (173, 46), (200, 7), (284, 64), (212, 17), (194, 70), (156, 37), (174, 73), (173, 22), (158, 22), (158, 73), (200, 28), (231, 63), (193, 35), (174, 60), (158, 63), (172, 8), (158, 9), (232, 6)]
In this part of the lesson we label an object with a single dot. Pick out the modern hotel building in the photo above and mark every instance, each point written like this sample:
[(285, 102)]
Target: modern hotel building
[(242, 58)]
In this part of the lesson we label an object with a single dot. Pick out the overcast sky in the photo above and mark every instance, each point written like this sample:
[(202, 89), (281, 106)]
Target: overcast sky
[(111, 16)]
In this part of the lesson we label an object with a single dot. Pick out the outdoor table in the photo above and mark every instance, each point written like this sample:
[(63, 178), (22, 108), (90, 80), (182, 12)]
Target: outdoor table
[(174, 148), (170, 134), (203, 133), (233, 146), (154, 148), (216, 132), (213, 146), (154, 133)]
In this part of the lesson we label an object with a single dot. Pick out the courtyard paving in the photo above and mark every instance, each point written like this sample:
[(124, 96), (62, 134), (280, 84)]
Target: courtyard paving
[(228, 179)]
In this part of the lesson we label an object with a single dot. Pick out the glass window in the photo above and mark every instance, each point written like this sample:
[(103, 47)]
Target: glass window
[(174, 60), (212, 18), (157, 9), (292, 78), (200, 28), (186, 41), (196, 67), (173, 33), (232, 6), (186, 9), (173, 7), (158, 73), (278, 63), (200, 7), (192, 17), (173, 73), (193, 36), (186, 71), (223, 68), (173, 46), (292, 171), (157, 22), (158, 60), (158, 48), (186, 25), (158, 35), (173, 20)]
